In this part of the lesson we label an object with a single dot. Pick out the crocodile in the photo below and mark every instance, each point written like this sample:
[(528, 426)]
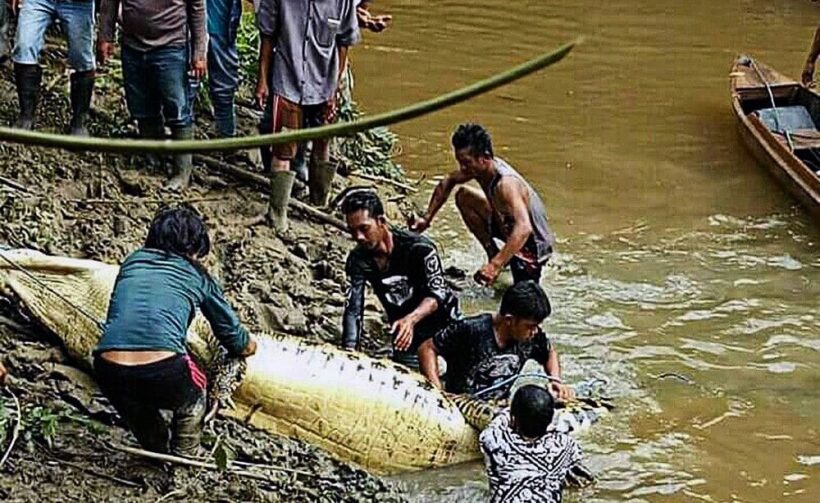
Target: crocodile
[(372, 412)]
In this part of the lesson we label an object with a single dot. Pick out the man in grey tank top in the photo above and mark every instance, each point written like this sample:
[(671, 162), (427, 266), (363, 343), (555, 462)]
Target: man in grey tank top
[(506, 208)]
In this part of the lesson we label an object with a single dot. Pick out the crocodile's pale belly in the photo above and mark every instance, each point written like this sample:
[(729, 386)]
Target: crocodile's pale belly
[(371, 412)]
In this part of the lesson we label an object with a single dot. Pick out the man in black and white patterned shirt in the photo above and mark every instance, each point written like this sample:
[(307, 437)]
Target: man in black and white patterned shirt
[(526, 462)]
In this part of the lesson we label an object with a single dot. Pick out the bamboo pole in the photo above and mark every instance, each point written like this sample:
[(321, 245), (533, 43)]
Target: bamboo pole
[(122, 146)]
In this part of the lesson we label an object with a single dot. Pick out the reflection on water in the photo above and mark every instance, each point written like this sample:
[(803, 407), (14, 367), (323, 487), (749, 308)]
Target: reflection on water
[(685, 276), (712, 356)]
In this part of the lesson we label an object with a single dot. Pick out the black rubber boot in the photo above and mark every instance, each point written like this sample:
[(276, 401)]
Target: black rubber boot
[(186, 428), (27, 78), (281, 183), (82, 87), (320, 180), (183, 163)]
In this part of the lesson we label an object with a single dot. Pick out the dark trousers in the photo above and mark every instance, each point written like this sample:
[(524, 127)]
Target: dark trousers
[(157, 85), (524, 271), (140, 392)]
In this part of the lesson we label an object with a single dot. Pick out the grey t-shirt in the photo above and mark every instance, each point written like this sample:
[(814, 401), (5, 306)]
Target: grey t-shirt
[(150, 24), (307, 35)]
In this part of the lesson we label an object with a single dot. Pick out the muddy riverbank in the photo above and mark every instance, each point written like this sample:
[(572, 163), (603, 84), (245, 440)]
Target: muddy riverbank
[(99, 207)]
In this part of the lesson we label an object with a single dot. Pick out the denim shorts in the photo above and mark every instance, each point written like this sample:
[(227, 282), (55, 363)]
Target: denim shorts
[(76, 16), (157, 84)]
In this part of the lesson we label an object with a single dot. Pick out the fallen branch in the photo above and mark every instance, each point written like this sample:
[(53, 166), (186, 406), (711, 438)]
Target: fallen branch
[(100, 474), (175, 492), (13, 184), (381, 179), (16, 432), (263, 182), (170, 458), (141, 201), (239, 173)]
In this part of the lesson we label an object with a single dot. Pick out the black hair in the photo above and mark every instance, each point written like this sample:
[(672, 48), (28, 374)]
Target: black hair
[(363, 200), (533, 408), (179, 230), (527, 300), (475, 137)]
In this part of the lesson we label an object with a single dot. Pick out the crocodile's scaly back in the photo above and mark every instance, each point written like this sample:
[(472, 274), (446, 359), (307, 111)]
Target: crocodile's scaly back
[(368, 411)]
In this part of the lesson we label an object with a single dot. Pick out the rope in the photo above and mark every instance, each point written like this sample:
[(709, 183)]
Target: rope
[(51, 290), (124, 146), (771, 99), (511, 379)]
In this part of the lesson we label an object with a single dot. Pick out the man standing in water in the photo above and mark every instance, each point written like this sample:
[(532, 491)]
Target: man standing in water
[(814, 52), (405, 272), (507, 208), (484, 350)]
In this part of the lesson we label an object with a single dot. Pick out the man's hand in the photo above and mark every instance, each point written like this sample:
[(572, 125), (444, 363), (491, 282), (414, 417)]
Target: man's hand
[(378, 24), (331, 109), (250, 349), (561, 392), (808, 74), (104, 50), (487, 274), (417, 224), (261, 93), (403, 332), (199, 68)]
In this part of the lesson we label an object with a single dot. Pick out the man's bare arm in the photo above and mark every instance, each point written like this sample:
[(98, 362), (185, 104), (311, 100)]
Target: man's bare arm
[(808, 70), (428, 362), (515, 201), (437, 200)]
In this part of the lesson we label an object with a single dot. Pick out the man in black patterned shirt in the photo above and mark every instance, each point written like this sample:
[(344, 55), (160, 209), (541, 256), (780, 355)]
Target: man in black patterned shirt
[(485, 350), (404, 270)]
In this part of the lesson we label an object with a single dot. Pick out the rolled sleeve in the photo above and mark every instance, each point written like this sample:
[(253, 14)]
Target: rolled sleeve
[(267, 17), (224, 321), (196, 24), (108, 19), (349, 33)]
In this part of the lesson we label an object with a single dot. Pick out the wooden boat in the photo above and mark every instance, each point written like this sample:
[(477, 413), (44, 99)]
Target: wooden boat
[(778, 120)]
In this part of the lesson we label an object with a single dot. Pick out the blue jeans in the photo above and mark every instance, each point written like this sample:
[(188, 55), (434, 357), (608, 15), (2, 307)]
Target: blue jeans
[(223, 61), (4, 31), (156, 84), (77, 16)]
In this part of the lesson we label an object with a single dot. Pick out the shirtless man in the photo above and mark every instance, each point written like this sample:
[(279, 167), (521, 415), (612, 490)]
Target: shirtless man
[(507, 208), (808, 70)]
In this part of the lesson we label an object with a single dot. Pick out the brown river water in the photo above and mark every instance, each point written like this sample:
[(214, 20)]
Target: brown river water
[(678, 253)]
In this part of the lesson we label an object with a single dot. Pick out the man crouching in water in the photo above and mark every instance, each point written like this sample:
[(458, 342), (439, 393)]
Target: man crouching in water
[(482, 351), (405, 272), (141, 362)]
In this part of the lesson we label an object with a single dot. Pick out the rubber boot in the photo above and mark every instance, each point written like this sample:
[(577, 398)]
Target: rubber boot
[(82, 87), (281, 183), (27, 78), (320, 180), (152, 129), (186, 428), (183, 163)]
